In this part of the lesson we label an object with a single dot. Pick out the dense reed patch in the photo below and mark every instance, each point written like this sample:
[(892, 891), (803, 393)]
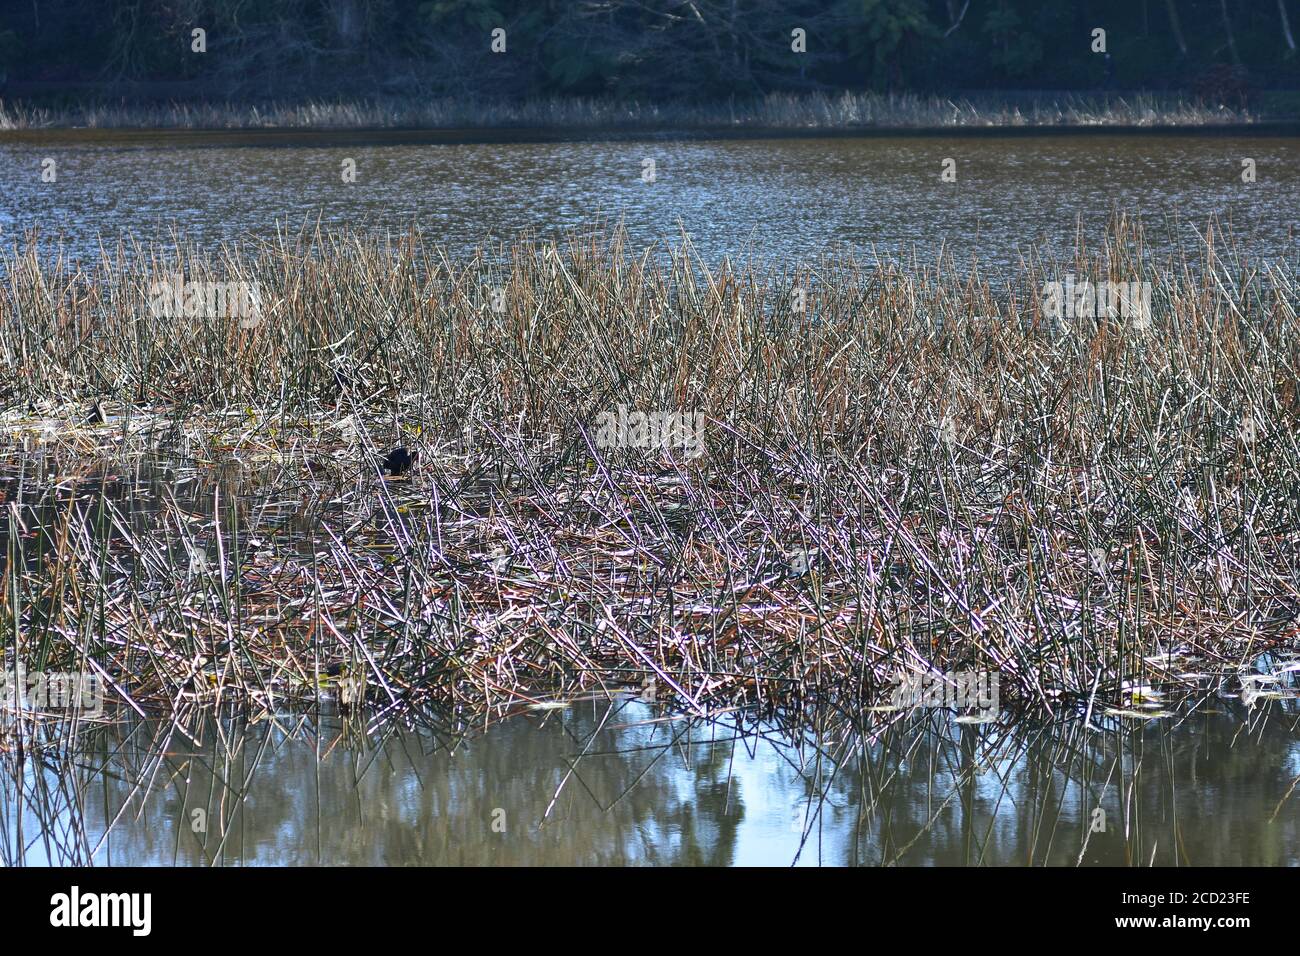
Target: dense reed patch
[(902, 470)]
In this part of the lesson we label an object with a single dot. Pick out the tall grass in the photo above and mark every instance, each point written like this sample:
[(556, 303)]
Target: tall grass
[(919, 472), (845, 110)]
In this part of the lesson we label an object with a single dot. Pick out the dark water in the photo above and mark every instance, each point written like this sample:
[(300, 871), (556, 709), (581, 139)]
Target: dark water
[(773, 199), (601, 783)]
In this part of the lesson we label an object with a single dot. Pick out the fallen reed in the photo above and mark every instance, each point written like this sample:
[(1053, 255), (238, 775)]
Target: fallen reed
[(903, 470)]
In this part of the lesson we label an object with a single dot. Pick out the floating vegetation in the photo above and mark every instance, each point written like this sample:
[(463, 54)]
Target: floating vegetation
[(1138, 714), (207, 511)]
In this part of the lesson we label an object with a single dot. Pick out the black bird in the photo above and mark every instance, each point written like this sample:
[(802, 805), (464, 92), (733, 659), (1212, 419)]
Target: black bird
[(399, 461), (96, 416)]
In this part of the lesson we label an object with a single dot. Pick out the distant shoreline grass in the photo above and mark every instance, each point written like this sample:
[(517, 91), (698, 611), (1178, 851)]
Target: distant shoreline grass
[(812, 111), (907, 473)]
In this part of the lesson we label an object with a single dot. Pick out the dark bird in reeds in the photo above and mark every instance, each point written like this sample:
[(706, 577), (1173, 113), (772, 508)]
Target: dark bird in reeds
[(399, 461), (96, 416)]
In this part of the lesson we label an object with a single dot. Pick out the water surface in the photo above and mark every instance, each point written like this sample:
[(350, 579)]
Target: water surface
[(621, 783), (771, 199)]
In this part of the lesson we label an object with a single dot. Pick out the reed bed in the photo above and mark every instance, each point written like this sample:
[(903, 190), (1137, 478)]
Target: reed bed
[(843, 110), (918, 472)]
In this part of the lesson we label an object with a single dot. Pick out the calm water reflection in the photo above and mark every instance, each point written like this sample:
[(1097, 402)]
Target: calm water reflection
[(777, 198), (599, 784)]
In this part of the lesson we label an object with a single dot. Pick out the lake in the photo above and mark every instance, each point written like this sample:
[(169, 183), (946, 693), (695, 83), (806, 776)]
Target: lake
[(771, 200), (617, 780)]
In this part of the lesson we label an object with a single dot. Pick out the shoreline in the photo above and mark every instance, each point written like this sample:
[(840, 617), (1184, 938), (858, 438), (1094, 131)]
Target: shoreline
[(828, 114), (457, 136)]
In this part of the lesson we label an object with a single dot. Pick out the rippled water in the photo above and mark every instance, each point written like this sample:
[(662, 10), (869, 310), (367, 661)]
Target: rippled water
[(770, 198)]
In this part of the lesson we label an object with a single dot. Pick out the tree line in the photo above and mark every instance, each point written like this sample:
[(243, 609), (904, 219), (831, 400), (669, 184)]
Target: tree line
[(645, 49)]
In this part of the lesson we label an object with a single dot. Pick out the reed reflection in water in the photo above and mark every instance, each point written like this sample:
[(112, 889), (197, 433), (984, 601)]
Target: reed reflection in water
[(615, 782)]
